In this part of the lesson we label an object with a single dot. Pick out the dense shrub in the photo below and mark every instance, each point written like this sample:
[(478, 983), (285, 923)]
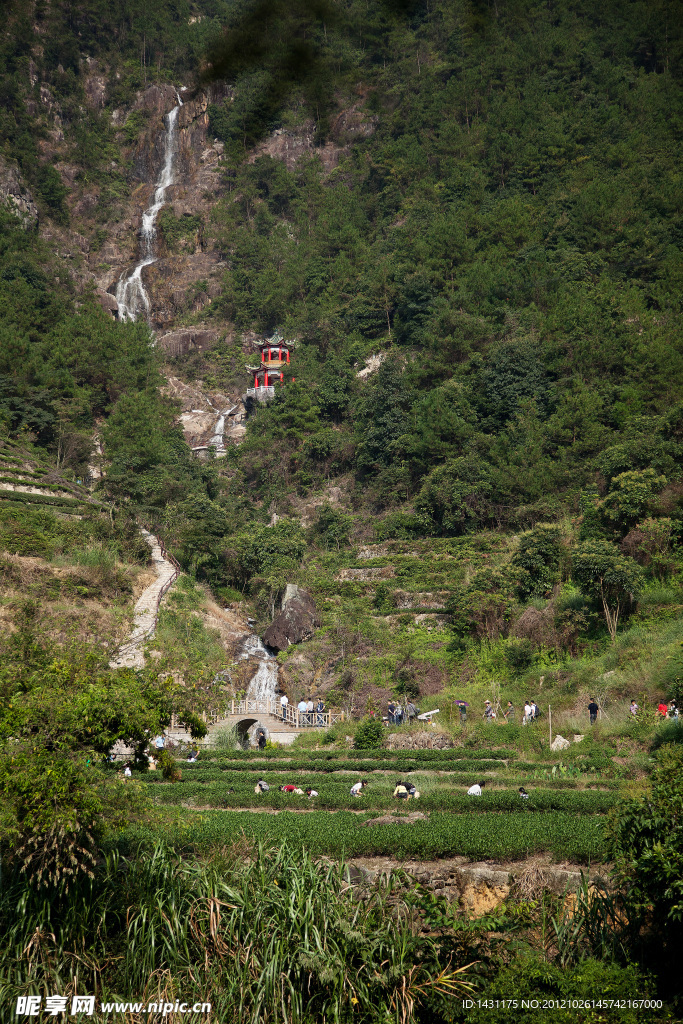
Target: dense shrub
[(369, 734)]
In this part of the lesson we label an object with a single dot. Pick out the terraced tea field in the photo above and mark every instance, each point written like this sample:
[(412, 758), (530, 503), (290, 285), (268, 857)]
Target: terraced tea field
[(563, 817)]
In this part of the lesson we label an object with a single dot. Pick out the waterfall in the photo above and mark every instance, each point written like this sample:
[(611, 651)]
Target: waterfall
[(130, 290), (216, 441), (263, 684)]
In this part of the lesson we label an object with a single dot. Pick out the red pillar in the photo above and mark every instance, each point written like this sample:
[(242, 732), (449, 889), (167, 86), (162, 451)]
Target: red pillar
[(287, 356), (282, 378), (265, 383), (255, 382), (263, 355)]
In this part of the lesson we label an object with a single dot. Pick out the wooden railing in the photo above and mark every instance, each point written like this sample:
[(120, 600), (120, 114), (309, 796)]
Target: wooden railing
[(288, 715)]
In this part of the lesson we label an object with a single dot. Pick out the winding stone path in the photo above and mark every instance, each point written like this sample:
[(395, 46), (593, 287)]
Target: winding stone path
[(130, 654)]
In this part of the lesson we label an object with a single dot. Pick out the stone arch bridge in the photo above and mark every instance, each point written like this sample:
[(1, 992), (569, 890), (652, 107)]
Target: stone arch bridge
[(245, 715)]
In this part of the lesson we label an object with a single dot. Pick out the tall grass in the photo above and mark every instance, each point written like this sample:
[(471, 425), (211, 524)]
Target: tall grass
[(225, 738), (264, 936)]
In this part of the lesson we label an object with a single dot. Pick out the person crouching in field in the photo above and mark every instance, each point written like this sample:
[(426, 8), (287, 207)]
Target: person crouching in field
[(358, 787), (261, 787), (401, 793), (476, 789)]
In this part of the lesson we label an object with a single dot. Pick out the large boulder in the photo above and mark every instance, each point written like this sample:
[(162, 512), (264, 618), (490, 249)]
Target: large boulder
[(559, 743), (296, 622)]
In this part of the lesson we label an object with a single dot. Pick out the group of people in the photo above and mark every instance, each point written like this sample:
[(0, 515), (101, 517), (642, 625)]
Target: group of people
[(665, 710), (405, 791), (263, 787), (475, 790), (531, 712), (310, 711), (397, 714)]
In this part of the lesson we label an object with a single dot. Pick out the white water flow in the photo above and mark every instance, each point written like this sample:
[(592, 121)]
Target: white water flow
[(130, 290), (263, 684), (217, 440)]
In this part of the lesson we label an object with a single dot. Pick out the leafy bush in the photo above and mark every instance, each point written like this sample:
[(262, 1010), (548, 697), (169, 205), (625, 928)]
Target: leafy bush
[(538, 555), (670, 732), (169, 767), (369, 734)]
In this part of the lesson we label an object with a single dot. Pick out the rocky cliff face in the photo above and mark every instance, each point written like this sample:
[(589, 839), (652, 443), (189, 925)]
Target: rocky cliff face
[(185, 279), (15, 196)]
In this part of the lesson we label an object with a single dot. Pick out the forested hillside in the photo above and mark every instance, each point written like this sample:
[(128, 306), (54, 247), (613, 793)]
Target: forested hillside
[(464, 219), (475, 250)]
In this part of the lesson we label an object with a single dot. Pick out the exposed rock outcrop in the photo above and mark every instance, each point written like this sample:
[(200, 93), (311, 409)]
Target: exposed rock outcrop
[(418, 741), (179, 343), (208, 417), (107, 302), (296, 622), (291, 145), (15, 196)]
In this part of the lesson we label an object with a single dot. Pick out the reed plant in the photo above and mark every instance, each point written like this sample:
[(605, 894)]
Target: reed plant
[(267, 936)]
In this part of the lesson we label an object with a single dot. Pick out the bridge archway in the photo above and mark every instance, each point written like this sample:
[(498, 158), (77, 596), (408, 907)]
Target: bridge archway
[(248, 729)]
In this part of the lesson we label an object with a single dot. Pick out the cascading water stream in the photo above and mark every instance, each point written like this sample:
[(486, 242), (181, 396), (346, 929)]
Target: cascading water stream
[(131, 294), (263, 684)]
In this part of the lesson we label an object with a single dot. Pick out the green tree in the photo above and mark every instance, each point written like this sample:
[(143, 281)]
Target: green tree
[(538, 555), (607, 577), (631, 497), (332, 527), (646, 847), (482, 608)]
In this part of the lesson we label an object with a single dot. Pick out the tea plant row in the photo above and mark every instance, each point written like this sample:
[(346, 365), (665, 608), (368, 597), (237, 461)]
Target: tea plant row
[(503, 836), (333, 793)]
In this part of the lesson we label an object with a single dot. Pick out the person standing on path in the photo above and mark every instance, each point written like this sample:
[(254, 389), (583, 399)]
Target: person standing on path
[(283, 704), (593, 709), (509, 715), (527, 713), (309, 710), (391, 712), (489, 713), (320, 709), (302, 708)]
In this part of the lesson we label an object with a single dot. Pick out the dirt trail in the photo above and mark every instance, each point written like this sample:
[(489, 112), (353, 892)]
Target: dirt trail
[(130, 654)]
